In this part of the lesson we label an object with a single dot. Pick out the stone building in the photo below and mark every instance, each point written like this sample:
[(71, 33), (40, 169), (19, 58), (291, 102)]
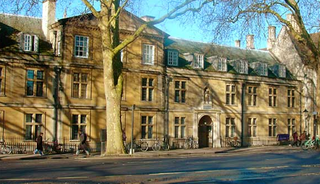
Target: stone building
[(51, 81)]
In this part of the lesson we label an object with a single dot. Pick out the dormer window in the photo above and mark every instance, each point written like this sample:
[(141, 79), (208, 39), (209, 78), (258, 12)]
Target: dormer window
[(222, 64), (173, 57), (243, 67), (282, 71), (198, 63), (30, 43), (260, 68)]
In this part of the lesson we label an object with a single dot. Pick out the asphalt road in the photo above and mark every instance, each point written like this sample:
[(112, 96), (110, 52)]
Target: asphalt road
[(301, 167)]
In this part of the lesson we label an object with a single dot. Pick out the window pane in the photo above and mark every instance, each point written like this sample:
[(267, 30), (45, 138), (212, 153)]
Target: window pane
[(227, 98), (75, 119), (182, 120), (150, 94), (150, 82), (28, 135), (74, 132), (76, 77), (150, 120), (84, 77), (39, 89), (176, 120), (29, 88), (150, 131), (40, 75), (233, 97), (83, 90), (144, 81), (83, 119), (183, 96), (183, 85), (28, 118), (76, 90), (38, 118), (30, 74), (176, 132), (183, 131), (143, 132), (144, 94), (83, 128), (177, 84), (176, 96), (143, 119)]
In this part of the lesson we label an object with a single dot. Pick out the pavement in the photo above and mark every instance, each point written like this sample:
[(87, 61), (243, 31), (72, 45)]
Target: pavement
[(170, 153)]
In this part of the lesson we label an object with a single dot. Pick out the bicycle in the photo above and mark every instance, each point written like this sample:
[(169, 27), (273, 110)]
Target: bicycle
[(157, 146), (233, 142), (142, 146), (190, 143), (308, 144), (5, 149)]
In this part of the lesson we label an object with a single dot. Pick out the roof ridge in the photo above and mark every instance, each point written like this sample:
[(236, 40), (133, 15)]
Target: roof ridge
[(233, 47), (9, 14)]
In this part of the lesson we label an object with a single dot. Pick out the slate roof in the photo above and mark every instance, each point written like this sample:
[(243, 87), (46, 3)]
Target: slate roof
[(11, 25), (23, 23), (231, 53)]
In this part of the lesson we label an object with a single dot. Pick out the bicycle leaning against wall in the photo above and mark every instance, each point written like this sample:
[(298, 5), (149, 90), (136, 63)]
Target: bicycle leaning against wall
[(164, 145), (190, 143), (4, 148)]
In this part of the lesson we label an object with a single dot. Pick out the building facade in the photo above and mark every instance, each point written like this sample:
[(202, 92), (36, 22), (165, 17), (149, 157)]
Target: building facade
[(51, 81)]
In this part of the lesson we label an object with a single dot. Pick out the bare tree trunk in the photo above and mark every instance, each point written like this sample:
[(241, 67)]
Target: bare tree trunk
[(112, 78)]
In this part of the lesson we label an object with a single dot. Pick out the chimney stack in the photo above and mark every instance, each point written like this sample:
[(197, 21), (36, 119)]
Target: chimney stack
[(250, 41), (237, 43), (48, 16), (271, 37), (147, 18)]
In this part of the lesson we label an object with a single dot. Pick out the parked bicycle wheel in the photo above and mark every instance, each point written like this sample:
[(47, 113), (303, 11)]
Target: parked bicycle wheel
[(128, 147), (144, 146), (187, 145), (166, 147), (156, 146), (195, 145), (307, 145)]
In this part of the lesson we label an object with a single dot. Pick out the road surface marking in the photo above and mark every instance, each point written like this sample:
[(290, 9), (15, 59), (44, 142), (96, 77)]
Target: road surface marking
[(72, 177), (171, 173)]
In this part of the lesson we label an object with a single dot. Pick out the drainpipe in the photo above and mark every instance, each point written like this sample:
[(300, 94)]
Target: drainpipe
[(243, 90), (166, 99), (56, 104)]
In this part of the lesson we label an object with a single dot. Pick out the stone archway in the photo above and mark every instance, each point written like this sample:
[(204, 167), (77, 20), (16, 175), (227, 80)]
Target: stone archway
[(204, 130)]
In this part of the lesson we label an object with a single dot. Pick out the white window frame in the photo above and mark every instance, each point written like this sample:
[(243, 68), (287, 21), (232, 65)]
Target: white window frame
[(222, 64), (243, 67), (148, 52), (173, 57), (198, 63), (264, 69), (30, 42), (78, 48), (282, 71)]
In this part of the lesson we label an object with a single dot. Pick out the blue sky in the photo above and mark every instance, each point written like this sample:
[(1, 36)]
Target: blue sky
[(175, 28)]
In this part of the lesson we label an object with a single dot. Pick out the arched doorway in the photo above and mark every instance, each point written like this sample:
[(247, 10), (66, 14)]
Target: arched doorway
[(204, 131)]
